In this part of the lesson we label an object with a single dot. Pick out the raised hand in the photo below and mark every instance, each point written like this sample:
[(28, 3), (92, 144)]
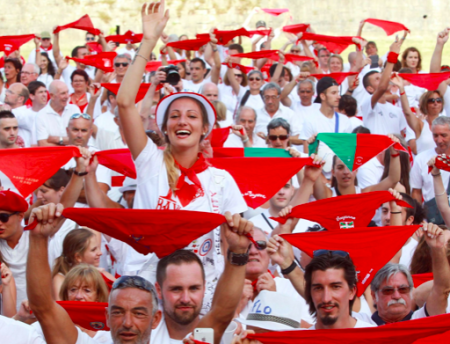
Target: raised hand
[(154, 20), (442, 37), (434, 235), (395, 47), (236, 228), (49, 217), (280, 251)]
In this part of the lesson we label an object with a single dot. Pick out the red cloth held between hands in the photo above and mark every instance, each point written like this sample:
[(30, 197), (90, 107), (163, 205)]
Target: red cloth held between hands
[(275, 11), (244, 69), (339, 77), (154, 65), (254, 55), (224, 36), (437, 338), (218, 136), (419, 279), (94, 47), (296, 28), (370, 248), (143, 88), (430, 81), (118, 160), (347, 211), (335, 44), (389, 27), (159, 231), (8, 44), (128, 37), (103, 61), (89, 315), (190, 44), (84, 23), (262, 32)]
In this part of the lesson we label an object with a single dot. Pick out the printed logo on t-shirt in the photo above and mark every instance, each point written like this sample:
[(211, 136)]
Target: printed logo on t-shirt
[(392, 115), (206, 247), (167, 203)]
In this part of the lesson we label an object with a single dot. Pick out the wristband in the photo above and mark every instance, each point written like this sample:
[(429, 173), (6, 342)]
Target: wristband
[(436, 175), (289, 269), (396, 212), (246, 140), (395, 155), (392, 57), (402, 93), (238, 259), (79, 174)]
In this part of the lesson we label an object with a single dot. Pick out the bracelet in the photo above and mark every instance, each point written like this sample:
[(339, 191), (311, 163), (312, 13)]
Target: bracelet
[(436, 175), (443, 193), (395, 155), (38, 50), (214, 50), (396, 212), (142, 57), (246, 140), (350, 91), (402, 93), (392, 57), (79, 174), (289, 269)]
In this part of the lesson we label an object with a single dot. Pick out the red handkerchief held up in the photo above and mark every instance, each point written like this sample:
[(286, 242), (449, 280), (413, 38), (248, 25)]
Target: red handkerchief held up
[(347, 211), (89, 315), (190, 44), (430, 81), (8, 44), (128, 37), (419, 279), (103, 61), (143, 88), (339, 77), (294, 57), (244, 69), (296, 28), (389, 27), (148, 231), (437, 338), (84, 23), (29, 168), (442, 162), (224, 36), (275, 11), (154, 65), (261, 32), (94, 47), (255, 55), (118, 160), (370, 248), (335, 44), (219, 136)]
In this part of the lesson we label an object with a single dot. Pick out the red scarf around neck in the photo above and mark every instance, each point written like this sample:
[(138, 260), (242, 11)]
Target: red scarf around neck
[(188, 190), (50, 47)]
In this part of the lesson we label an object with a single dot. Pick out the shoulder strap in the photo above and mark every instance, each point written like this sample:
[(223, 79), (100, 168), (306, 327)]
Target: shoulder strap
[(448, 187), (245, 97), (336, 127), (267, 220)]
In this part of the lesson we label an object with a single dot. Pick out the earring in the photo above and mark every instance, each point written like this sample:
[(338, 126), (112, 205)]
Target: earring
[(165, 132)]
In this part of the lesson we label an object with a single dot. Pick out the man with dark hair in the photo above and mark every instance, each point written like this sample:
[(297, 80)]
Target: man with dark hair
[(348, 106), (323, 55), (38, 96), (9, 129)]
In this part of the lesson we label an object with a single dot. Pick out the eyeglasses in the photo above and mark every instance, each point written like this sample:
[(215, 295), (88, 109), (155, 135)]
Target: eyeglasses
[(276, 137), (78, 115), (27, 73), (391, 290), (123, 64), (4, 217), (90, 39), (295, 51), (271, 97), (305, 91), (238, 75), (260, 245), (254, 79), (434, 100), (318, 253), (327, 55)]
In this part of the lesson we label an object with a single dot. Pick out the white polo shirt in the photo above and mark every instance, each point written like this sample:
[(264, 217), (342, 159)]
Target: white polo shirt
[(26, 119), (14, 331), (50, 123), (263, 119)]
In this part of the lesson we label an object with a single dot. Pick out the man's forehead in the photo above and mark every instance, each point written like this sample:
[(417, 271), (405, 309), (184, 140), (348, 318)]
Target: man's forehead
[(331, 275), (81, 123), (280, 130), (8, 122), (183, 274), (130, 298)]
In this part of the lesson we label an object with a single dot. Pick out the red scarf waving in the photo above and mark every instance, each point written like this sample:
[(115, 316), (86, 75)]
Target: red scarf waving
[(188, 185)]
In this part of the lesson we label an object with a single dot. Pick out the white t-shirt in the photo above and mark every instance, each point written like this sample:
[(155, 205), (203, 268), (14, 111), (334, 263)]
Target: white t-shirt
[(190, 86), (370, 173), (26, 119), (355, 122), (255, 102), (50, 123), (46, 79), (408, 252), (317, 123), (425, 140), (359, 323), (422, 180), (383, 119), (13, 331), (229, 98), (263, 119), (106, 121), (106, 139), (420, 313), (235, 141)]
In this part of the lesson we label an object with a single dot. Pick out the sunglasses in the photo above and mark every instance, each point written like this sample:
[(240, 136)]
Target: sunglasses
[(78, 115), (4, 217), (123, 64), (318, 253), (391, 290), (238, 75), (276, 137), (254, 79), (260, 245), (90, 39), (295, 51), (434, 100)]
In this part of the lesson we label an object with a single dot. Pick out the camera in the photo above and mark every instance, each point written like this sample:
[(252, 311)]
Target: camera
[(172, 75)]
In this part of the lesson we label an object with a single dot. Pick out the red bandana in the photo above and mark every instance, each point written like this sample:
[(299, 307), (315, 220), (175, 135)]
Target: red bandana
[(224, 36), (437, 338), (403, 332), (94, 47), (244, 69), (275, 11), (442, 162), (347, 211), (430, 81), (296, 28), (50, 47), (190, 44), (118, 160), (84, 23), (293, 58), (219, 136), (370, 248), (143, 88), (188, 190), (126, 38), (8, 44), (261, 32), (335, 44), (29, 168), (339, 77), (89, 315), (419, 279), (103, 61), (154, 65), (270, 54), (388, 26), (148, 231)]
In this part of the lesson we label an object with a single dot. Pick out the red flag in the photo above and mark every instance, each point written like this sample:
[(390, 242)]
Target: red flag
[(401, 332), (103, 61), (437, 338), (244, 69), (118, 160), (8, 44), (29, 168), (94, 47), (296, 28), (430, 81), (220, 152), (84, 23), (189, 44), (347, 211), (126, 38), (219, 136), (89, 315), (148, 230), (275, 11), (256, 178), (254, 55), (261, 32), (143, 88), (370, 248), (339, 77), (419, 279), (154, 65), (389, 27), (335, 44), (224, 36), (293, 58)]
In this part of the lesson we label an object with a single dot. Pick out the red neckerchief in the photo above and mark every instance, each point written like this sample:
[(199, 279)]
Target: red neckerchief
[(50, 47), (256, 280), (188, 191)]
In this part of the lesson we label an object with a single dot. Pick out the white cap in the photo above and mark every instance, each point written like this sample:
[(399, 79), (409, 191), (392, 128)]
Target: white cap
[(274, 311), (129, 184), (164, 104)]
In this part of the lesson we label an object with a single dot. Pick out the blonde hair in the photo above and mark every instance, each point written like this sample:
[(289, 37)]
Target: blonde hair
[(89, 275), (339, 57), (221, 110)]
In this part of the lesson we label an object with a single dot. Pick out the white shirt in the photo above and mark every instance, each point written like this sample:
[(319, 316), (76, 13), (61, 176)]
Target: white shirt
[(425, 140), (383, 119), (46, 79), (370, 173), (17, 262), (124, 50), (106, 139), (50, 123), (103, 337), (420, 313), (190, 86), (229, 98), (13, 331), (106, 121), (263, 119), (408, 252), (27, 124), (255, 101), (235, 141), (359, 323), (422, 180), (317, 123), (355, 122)]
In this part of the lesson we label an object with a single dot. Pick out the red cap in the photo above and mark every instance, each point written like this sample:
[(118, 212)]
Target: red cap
[(10, 201)]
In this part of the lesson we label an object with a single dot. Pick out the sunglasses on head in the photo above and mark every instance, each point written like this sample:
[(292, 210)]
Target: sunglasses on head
[(4, 217), (78, 115), (391, 290), (434, 100), (254, 79), (123, 64), (319, 253), (276, 137)]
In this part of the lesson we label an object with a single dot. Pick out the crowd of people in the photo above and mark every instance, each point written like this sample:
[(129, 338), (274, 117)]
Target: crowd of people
[(62, 282)]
